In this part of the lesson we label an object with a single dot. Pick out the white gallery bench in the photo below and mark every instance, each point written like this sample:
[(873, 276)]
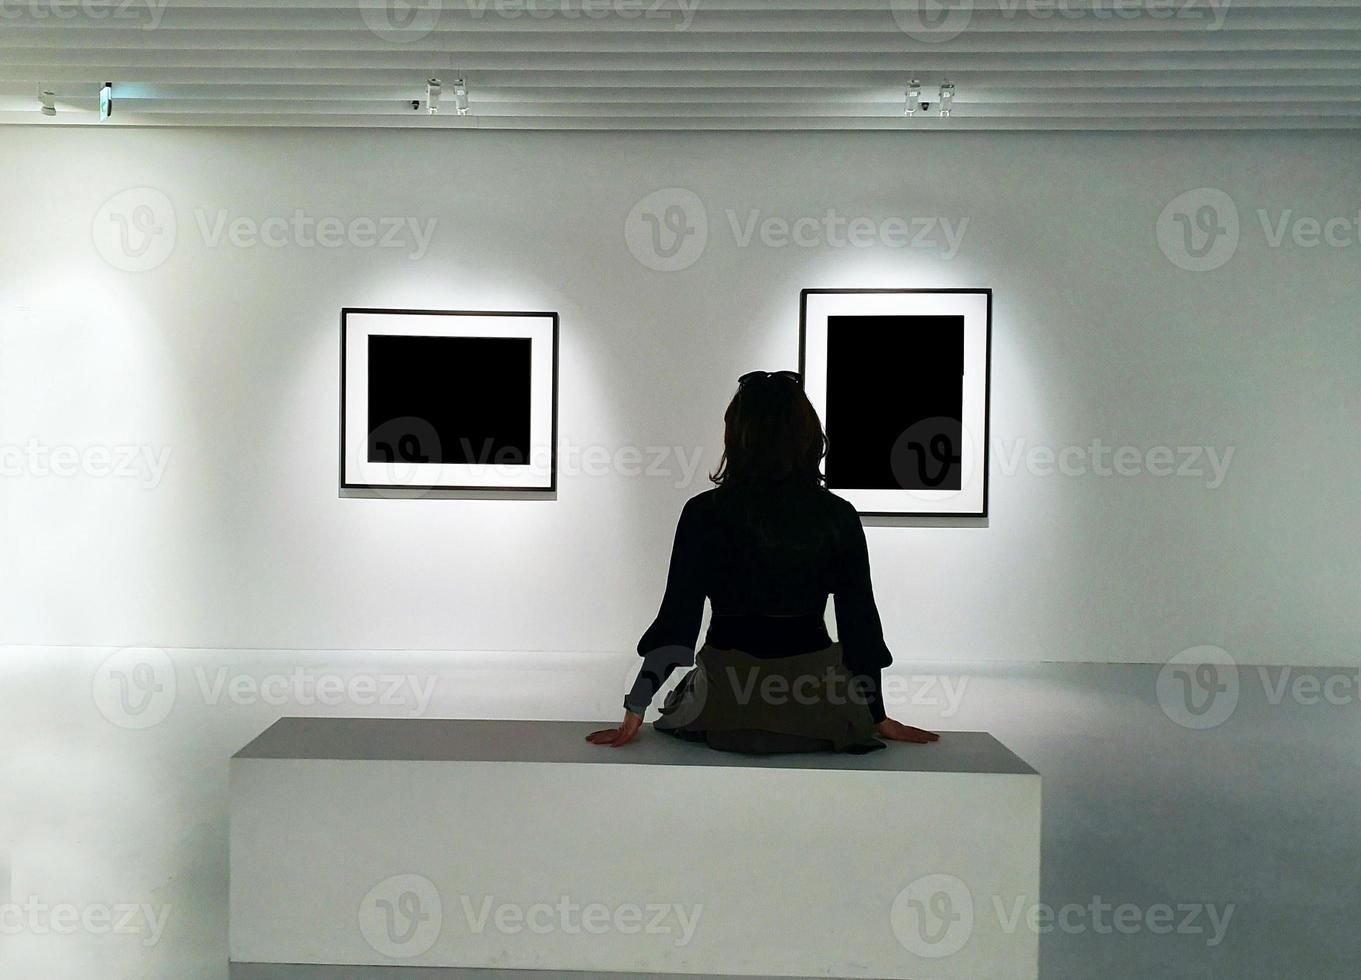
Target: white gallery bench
[(486, 848)]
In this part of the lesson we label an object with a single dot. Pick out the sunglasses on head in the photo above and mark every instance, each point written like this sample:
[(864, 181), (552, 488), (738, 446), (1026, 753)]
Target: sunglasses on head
[(751, 376)]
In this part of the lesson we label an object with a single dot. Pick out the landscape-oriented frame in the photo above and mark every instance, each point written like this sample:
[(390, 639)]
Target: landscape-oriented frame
[(544, 378)]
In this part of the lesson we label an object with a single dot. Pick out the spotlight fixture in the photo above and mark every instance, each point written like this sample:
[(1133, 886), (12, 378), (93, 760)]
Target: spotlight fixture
[(47, 101), (947, 97), (461, 97), (432, 91), (105, 101), (914, 97)]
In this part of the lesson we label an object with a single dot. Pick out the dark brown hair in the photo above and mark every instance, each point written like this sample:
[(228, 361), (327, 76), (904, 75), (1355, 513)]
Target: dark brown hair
[(771, 435)]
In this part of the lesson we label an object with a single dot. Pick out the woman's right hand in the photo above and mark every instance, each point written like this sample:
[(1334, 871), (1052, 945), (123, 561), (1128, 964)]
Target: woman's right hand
[(623, 735)]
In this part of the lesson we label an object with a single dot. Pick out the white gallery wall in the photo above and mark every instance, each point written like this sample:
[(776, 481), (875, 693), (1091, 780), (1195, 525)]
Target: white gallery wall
[(218, 366), (1174, 466)]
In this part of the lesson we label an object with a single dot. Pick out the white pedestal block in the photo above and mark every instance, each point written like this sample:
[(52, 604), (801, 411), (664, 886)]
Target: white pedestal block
[(519, 846)]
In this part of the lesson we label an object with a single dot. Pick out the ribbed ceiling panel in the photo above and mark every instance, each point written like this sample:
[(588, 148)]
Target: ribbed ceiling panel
[(688, 64)]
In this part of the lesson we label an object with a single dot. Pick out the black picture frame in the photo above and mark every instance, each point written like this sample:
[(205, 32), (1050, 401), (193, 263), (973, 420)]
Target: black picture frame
[(986, 292), (552, 486)]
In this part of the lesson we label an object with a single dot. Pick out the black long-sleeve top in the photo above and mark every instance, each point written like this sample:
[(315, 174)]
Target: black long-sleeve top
[(766, 558)]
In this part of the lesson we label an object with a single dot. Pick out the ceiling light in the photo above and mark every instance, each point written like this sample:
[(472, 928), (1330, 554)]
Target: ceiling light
[(914, 97)]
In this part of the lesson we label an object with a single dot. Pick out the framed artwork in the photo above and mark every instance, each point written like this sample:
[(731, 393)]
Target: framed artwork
[(900, 380), (445, 400)]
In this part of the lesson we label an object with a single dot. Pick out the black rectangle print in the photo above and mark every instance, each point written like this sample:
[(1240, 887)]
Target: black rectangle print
[(453, 400), (895, 402)]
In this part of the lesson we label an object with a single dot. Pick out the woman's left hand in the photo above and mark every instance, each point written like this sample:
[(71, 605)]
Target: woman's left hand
[(896, 731)]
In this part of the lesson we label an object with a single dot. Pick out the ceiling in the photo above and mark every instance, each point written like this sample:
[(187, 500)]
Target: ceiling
[(688, 64)]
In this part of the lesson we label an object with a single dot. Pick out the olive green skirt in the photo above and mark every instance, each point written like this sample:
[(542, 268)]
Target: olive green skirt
[(739, 703)]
